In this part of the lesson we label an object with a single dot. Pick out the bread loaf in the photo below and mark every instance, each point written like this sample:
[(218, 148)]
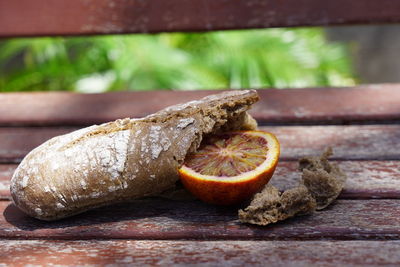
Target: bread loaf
[(122, 160)]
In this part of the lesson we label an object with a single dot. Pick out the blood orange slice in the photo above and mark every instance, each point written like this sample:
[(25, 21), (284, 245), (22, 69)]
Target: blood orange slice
[(230, 167)]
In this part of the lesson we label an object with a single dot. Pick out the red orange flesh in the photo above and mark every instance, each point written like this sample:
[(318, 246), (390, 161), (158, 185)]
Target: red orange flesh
[(231, 167)]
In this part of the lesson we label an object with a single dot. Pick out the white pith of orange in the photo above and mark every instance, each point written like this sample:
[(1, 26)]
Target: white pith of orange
[(269, 163)]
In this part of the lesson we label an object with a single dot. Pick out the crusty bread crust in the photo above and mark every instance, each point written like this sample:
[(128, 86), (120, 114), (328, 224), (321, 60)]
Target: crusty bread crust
[(122, 160)]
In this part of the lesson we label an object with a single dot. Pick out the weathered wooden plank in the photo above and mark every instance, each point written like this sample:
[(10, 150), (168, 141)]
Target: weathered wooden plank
[(366, 179), (15, 143), (6, 172), (349, 142), (166, 219), (319, 105), (205, 253), (53, 17)]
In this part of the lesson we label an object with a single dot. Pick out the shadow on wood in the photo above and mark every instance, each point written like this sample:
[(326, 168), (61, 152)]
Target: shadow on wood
[(170, 220), (151, 218)]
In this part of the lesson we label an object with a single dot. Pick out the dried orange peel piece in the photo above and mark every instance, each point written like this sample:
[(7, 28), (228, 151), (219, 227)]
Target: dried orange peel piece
[(231, 167)]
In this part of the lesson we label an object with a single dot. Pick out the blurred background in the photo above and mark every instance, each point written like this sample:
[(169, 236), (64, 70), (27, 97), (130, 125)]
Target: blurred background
[(280, 58)]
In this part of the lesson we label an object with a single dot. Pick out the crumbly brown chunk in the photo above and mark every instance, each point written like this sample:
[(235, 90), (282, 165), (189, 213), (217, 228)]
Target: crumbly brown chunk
[(323, 179), (321, 183), (271, 206)]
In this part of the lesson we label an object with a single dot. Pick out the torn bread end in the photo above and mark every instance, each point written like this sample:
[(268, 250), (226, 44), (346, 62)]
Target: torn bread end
[(321, 183), (323, 179), (271, 206)]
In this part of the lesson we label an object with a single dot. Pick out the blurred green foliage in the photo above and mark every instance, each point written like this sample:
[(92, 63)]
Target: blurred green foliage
[(230, 59)]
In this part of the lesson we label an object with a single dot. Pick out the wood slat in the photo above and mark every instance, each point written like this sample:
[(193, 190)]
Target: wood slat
[(15, 143), (6, 172), (349, 142), (205, 253), (319, 105), (366, 179), (166, 219), (75, 17), (366, 142)]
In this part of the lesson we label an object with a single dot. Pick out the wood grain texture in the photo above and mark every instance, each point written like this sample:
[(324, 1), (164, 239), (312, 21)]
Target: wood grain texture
[(6, 172), (15, 143), (163, 219), (366, 142), (204, 253), (74, 17), (366, 179), (348, 142), (319, 105)]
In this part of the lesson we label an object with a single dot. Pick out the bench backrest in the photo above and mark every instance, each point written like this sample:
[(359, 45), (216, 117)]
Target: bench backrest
[(87, 17)]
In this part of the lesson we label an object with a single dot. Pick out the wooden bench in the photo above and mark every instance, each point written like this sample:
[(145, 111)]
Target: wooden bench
[(361, 123)]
